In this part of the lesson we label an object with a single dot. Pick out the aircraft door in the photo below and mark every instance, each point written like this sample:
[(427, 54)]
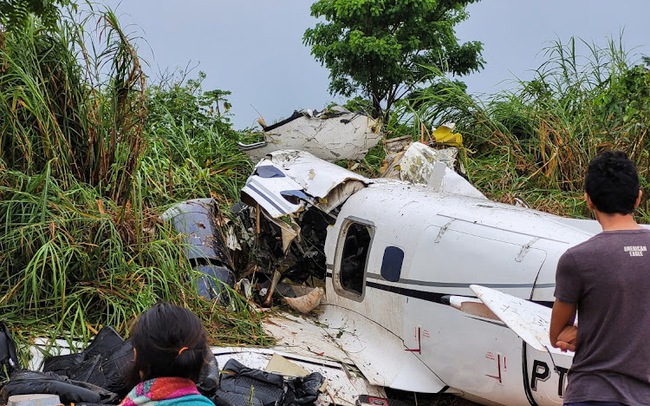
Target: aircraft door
[(365, 273), (349, 278)]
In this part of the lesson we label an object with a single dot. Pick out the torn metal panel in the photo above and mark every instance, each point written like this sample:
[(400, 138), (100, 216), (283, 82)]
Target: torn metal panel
[(395, 149), (289, 230), (281, 365), (418, 165), (285, 181), (332, 135), (195, 219), (272, 191), (330, 184), (204, 244)]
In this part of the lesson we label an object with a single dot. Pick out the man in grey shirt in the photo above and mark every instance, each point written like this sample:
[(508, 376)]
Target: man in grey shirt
[(607, 280)]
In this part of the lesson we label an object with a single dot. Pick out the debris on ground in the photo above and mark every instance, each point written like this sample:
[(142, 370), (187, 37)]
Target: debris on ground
[(332, 134)]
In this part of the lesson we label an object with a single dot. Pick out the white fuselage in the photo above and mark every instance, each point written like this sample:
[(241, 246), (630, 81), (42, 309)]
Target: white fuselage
[(422, 245)]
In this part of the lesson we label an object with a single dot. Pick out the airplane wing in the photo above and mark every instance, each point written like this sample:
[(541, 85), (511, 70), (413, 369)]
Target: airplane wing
[(529, 320)]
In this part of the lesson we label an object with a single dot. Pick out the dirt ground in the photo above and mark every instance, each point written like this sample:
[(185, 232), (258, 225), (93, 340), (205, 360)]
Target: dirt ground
[(450, 400), (399, 398)]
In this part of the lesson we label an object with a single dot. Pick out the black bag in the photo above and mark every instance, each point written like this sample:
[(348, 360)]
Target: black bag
[(304, 390), (106, 362), (209, 377), (69, 391), (8, 358), (223, 398), (244, 386), (254, 384)]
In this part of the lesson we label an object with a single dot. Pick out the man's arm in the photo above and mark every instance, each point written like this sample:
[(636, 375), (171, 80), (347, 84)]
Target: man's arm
[(563, 333)]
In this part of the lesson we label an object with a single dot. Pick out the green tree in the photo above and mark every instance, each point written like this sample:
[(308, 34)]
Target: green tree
[(381, 47), (14, 13)]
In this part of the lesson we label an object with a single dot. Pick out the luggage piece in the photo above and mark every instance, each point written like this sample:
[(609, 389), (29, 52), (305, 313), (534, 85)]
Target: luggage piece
[(223, 398), (241, 385), (266, 387), (304, 390), (69, 391), (8, 358), (59, 364), (106, 362)]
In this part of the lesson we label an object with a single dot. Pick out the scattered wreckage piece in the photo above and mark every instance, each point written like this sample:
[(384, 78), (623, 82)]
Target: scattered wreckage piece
[(443, 138), (331, 135), (303, 345), (424, 165), (306, 303), (204, 244), (284, 182)]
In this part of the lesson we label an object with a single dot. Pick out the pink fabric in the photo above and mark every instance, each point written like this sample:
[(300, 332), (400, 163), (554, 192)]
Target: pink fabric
[(160, 389)]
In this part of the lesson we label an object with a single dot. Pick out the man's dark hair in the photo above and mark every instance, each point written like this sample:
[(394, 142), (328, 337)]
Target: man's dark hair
[(169, 341), (612, 182)]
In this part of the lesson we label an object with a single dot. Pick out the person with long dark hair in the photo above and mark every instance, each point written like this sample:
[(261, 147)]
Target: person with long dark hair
[(170, 348)]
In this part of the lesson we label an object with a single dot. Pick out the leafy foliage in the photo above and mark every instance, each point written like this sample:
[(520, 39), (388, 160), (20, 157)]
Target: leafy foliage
[(381, 47), (192, 150), (15, 14), (187, 105)]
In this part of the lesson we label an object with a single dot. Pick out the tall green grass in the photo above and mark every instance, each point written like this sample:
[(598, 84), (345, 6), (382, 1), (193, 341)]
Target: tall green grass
[(535, 141), (85, 172)]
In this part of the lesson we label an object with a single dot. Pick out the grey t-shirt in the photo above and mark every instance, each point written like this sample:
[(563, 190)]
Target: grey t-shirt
[(608, 278)]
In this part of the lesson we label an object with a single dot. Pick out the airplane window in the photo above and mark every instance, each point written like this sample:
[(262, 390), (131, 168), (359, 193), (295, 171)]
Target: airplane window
[(353, 259), (391, 265), (268, 171), (294, 196)]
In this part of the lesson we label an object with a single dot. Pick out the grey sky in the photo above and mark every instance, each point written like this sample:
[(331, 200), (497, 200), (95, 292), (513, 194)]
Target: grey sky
[(254, 49)]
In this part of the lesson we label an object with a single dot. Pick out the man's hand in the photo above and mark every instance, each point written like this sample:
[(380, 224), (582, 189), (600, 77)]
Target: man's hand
[(562, 332), (567, 339)]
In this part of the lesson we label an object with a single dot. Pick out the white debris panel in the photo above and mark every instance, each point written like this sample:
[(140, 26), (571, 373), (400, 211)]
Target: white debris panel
[(284, 181), (331, 135)]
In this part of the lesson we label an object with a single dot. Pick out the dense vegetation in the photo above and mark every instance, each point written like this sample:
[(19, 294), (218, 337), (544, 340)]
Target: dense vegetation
[(90, 157)]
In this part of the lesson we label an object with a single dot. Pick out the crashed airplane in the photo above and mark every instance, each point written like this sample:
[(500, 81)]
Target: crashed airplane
[(430, 287)]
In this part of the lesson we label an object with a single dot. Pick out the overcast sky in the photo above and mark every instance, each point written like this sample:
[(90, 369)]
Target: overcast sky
[(254, 49)]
